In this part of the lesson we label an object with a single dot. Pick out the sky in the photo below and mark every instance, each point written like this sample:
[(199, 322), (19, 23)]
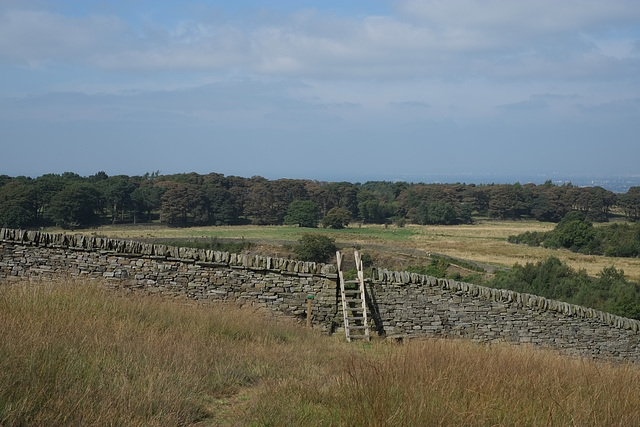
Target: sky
[(329, 90)]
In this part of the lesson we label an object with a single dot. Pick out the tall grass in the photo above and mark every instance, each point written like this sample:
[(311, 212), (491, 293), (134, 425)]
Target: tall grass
[(73, 353), (456, 383)]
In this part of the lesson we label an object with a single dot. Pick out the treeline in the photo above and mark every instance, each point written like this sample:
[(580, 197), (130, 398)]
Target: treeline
[(578, 234), (71, 201)]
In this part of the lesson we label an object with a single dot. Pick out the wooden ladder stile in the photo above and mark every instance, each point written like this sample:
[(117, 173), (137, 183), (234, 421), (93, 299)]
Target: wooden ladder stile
[(365, 321), (354, 305), (343, 297)]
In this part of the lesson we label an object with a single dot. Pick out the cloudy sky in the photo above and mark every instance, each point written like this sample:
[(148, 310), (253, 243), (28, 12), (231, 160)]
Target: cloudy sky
[(330, 90)]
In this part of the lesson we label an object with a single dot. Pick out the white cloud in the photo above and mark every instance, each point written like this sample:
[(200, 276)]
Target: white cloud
[(426, 39), (555, 96), (619, 106), (40, 37), (409, 105), (518, 18), (528, 105)]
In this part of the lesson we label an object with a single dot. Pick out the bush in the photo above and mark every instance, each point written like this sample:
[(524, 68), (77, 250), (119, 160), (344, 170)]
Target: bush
[(367, 260), (554, 279), (531, 238), (475, 278), (351, 274), (573, 234), (400, 222), (315, 247), (437, 268)]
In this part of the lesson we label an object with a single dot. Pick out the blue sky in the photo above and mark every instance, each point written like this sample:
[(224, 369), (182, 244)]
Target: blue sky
[(328, 90)]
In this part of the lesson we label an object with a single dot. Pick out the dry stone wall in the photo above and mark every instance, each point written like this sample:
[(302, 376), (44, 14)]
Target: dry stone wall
[(402, 304), (279, 284), (407, 305)]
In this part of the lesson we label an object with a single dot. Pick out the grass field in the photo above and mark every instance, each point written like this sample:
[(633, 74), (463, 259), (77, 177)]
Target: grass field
[(484, 242), (73, 353)]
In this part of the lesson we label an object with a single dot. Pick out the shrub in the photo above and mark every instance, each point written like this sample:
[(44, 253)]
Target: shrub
[(531, 238), (315, 247), (367, 260), (437, 268), (476, 278), (400, 222), (554, 279)]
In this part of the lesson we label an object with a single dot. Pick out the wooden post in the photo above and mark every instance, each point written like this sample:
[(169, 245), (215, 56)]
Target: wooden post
[(309, 299)]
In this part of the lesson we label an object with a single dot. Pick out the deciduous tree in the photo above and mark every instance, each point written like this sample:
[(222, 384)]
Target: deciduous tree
[(181, 202), (303, 213), (336, 218), (630, 202), (76, 205), (18, 205)]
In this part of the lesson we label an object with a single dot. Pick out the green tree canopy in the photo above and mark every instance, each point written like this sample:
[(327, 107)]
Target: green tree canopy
[(303, 213), (76, 205), (17, 204), (573, 232), (117, 192), (221, 205), (630, 202), (145, 199), (183, 202), (336, 218), (441, 213)]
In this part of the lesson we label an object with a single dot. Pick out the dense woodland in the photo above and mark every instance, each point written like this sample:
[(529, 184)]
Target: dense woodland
[(72, 201)]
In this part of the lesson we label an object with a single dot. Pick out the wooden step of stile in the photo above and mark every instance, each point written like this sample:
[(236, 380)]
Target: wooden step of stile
[(353, 302)]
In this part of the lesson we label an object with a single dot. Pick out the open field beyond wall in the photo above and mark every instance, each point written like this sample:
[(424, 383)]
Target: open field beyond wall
[(484, 242), (74, 354)]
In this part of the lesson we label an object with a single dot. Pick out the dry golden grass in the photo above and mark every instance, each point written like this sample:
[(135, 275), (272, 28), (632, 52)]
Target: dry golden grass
[(74, 354), (486, 242)]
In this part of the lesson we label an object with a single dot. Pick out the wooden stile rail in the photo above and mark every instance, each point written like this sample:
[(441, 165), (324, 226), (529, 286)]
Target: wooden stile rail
[(354, 305)]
